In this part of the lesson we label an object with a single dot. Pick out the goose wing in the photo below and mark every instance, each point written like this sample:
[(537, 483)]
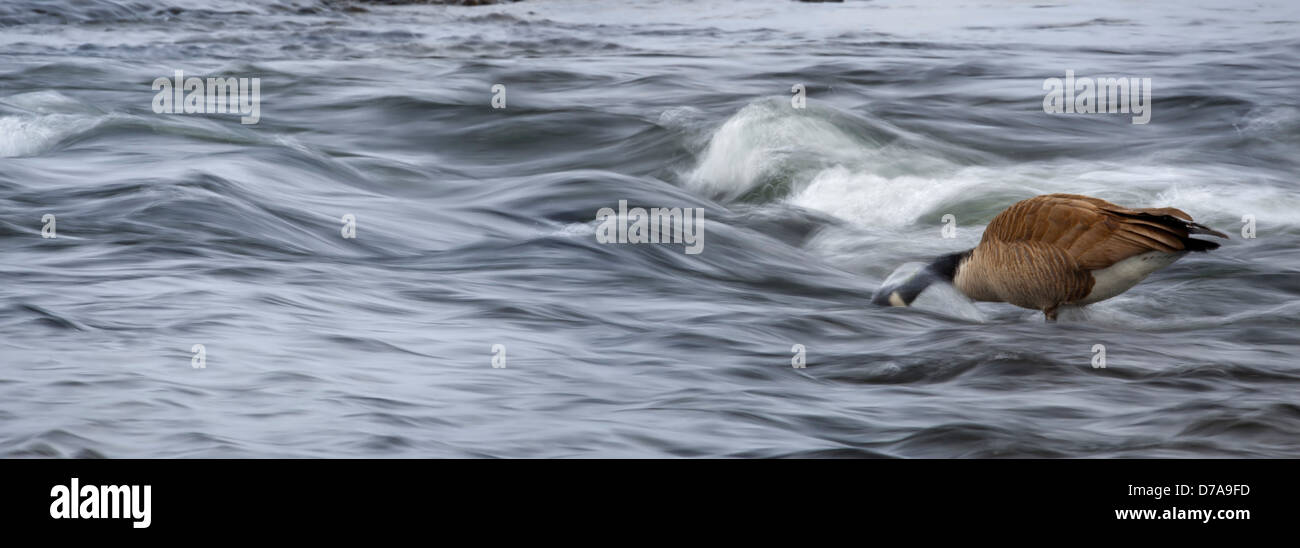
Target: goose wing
[(1097, 233)]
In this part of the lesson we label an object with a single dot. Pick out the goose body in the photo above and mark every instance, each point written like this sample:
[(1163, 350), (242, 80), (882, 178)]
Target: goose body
[(1061, 249)]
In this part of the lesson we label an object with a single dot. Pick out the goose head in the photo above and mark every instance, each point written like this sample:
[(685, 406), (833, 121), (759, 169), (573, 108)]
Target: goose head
[(903, 292)]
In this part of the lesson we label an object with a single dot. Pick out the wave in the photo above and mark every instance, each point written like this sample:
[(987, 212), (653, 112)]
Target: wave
[(33, 123), (767, 146), (872, 176)]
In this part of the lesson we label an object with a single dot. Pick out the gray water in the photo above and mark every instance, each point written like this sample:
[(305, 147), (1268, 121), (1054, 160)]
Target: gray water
[(475, 227)]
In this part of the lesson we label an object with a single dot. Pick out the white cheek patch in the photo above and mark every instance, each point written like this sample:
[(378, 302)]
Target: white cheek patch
[(895, 300)]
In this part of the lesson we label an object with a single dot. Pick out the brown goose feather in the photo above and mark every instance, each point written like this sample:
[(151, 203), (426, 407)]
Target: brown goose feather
[(1039, 253)]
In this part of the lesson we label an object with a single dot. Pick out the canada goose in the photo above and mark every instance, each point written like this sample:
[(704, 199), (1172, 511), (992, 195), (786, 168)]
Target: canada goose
[(1060, 249)]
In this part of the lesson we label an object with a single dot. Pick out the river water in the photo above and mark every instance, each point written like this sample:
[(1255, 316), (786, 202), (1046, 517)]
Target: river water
[(475, 232)]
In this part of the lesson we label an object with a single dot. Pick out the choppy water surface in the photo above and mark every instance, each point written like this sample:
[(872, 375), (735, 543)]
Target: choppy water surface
[(475, 228)]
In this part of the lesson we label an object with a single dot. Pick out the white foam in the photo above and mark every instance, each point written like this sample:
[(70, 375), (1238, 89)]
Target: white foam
[(768, 141), (40, 120), (826, 168), (1213, 195), (1223, 206), (872, 200), (31, 135)]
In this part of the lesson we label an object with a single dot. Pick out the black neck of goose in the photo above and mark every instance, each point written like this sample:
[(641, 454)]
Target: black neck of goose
[(945, 266)]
